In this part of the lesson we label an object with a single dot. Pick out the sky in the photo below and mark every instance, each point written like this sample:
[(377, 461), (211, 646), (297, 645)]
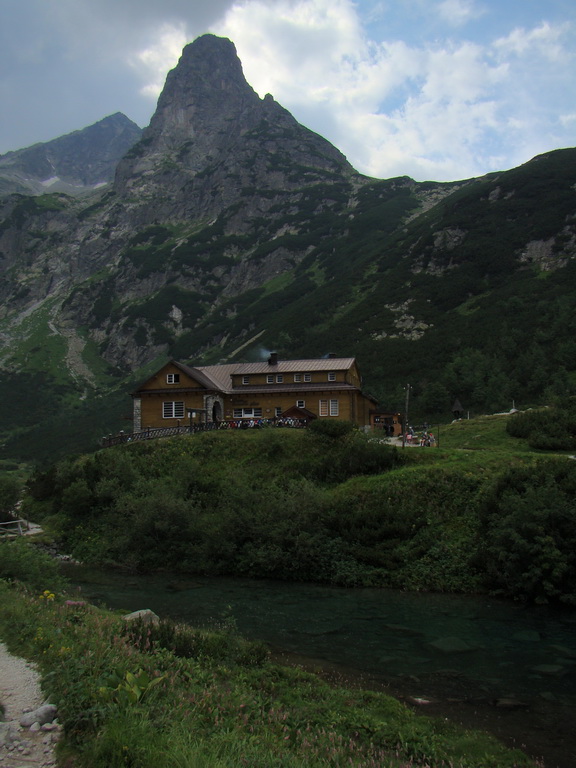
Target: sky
[(434, 89)]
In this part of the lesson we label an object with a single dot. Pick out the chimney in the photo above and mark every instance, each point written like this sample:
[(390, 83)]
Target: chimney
[(273, 359), (331, 355)]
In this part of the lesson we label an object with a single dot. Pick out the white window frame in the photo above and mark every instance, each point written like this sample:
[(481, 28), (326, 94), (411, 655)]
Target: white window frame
[(245, 379), (307, 377), (270, 378), (331, 376), (297, 377), (173, 409), (247, 413), (279, 378), (300, 403), (172, 378), (328, 408)]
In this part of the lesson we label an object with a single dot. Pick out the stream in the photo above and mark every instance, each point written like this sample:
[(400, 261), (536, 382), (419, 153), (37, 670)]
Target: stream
[(484, 663)]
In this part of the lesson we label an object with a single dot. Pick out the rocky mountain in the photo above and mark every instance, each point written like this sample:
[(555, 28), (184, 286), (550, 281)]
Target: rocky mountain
[(76, 163), (231, 229)]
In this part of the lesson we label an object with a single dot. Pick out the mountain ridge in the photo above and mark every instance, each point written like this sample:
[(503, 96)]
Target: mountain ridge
[(76, 163)]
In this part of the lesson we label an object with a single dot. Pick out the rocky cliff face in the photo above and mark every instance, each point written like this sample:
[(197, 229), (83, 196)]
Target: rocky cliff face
[(217, 178), (74, 164), (213, 142)]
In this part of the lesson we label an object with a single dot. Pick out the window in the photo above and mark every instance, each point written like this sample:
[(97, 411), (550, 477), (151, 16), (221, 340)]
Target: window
[(297, 377), (278, 411), (172, 378), (173, 410), (331, 377), (307, 377), (247, 413), (328, 408), (270, 379), (279, 378), (245, 379), (300, 404)]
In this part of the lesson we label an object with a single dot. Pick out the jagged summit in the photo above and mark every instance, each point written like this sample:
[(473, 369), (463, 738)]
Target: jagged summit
[(207, 86), (210, 125)]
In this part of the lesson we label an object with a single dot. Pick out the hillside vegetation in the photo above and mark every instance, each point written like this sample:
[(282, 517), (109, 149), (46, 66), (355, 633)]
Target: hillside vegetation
[(482, 512)]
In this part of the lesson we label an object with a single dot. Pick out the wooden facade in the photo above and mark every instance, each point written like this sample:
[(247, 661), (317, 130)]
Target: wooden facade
[(328, 388), (387, 422)]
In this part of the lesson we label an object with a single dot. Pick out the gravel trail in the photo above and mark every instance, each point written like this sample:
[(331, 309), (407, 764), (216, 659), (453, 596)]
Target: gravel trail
[(20, 692)]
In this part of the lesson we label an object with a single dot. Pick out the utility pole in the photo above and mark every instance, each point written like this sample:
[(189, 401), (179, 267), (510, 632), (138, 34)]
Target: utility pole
[(405, 426)]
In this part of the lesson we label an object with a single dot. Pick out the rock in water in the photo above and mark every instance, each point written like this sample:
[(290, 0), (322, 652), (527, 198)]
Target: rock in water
[(451, 645)]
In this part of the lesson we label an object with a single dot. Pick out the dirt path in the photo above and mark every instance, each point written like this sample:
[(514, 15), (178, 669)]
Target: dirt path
[(19, 693)]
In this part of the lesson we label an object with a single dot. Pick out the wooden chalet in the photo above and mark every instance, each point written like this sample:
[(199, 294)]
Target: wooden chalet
[(324, 388)]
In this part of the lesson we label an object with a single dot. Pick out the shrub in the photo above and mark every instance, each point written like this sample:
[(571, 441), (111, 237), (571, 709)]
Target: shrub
[(23, 562), (222, 645), (550, 429), (9, 495), (330, 428), (528, 533)]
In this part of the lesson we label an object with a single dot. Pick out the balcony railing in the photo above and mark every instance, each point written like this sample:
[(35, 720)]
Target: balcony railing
[(151, 433)]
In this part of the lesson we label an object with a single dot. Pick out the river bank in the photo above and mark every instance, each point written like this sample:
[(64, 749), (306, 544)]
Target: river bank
[(503, 675), (168, 694), (540, 729)]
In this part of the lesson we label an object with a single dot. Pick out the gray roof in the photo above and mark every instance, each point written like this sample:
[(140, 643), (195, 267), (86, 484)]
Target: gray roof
[(297, 366), (220, 376)]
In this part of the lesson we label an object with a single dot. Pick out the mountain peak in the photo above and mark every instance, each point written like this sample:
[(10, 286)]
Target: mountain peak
[(204, 91), (73, 163), (212, 135)]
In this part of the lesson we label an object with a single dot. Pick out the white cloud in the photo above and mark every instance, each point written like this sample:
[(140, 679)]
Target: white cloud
[(393, 108), (568, 120), (544, 40), (154, 61), (289, 44), (458, 12)]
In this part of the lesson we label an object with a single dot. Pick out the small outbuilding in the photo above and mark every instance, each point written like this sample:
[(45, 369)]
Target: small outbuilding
[(387, 422)]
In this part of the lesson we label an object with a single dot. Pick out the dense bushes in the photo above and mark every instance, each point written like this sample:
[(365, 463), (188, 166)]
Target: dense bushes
[(9, 494), (416, 528), (257, 504), (278, 504), (301, 506), (25, 563), (528, 533), (549, 429)]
